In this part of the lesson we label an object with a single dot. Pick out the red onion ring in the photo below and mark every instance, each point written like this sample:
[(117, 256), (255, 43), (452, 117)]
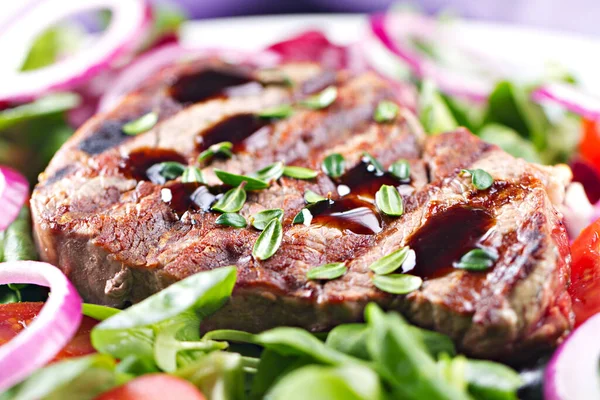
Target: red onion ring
[(146, 64), (570, 98), (572, 373), (49, 332), (129, 19), (470, 86), (14, 190)]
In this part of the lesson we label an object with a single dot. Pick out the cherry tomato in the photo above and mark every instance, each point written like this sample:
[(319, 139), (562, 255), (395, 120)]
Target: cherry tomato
[(154, 387), (585, 273), (589, 148), (15, 317)]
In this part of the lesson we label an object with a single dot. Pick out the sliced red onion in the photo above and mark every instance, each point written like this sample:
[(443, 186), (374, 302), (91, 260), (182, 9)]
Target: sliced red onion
[(129, 20), (314, 46), (49, 332), (14, 190), (395, 31), (153, 60), (570, 98), (572, 373)]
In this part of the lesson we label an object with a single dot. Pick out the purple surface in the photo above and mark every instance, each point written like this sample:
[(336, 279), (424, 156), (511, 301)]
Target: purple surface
[(573, 15)]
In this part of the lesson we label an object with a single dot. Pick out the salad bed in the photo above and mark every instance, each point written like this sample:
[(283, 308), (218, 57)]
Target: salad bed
[(385, 357)]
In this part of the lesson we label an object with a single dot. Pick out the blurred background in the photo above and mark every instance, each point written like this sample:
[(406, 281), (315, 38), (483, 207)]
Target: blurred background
[(581, 16)]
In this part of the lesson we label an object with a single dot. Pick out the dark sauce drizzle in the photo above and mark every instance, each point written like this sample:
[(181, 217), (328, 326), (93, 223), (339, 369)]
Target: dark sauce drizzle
[(446, 237), (139, 162), (234, 129), (355, 211), (210, 83)]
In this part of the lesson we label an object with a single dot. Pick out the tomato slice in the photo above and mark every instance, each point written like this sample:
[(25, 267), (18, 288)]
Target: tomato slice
[(589, 148), (585, 273), (15, 317), (154, 387)]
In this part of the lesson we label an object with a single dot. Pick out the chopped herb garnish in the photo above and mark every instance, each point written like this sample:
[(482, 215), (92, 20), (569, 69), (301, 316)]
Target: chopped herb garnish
[(389, 201), (477, 260), (282, 111), (191, 175), (270, 173), (401, 170), (232, 201), (327, 271), (311, 197), (480, 179), (269, 241), (165, 171), (234, 180), (261, 219), (222, 149), (386, 111), (391, 262), (397, 283), (303, 217), (373, 163), (322, 99), (231, 219), (334, 165), (140, 125), (300, 172)]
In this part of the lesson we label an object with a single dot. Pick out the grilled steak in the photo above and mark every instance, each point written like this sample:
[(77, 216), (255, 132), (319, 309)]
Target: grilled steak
[(121, 233)]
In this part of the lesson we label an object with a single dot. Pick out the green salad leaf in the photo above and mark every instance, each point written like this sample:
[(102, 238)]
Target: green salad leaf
[(434, 114), (77, 378), (50, 104)]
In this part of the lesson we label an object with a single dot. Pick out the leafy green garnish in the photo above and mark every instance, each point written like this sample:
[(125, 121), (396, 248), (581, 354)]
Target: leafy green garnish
[(269, 241), (47, 105), (168, 170), (334, 165), (321, 100), (372, 161), (510, 141), (299, 172), (232, 219), (98, 312), (75, 378), (391, 262), (232, 201), (433, 112), (327, 271), (270, 173), (261, 219), (230, 179), (400, 169), (311, 197), (192, 175), (304, 216), (222, 148), (479, 178), (282, 111), (490, 380), (477, 260), (397, 283), (51, 44), (164, 328), (386, 111), (140, 125), (389, 201), (510, 105)]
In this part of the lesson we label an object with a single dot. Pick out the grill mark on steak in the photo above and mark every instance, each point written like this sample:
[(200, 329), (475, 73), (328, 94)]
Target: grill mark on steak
[(119, 242), (107, 136)]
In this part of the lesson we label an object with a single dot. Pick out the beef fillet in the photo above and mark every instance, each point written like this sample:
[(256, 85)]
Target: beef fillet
[(120, 233)]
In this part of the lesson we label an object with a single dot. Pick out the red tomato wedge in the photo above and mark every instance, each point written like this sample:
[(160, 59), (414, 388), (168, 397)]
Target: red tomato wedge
[(15, 317), (585, 273), (154, 387), (589, 148)]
